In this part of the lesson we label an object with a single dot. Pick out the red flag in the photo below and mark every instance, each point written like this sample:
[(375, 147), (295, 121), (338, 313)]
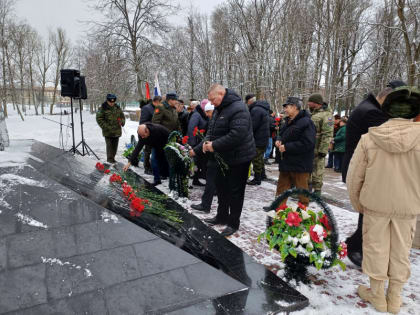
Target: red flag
[(147, 91)]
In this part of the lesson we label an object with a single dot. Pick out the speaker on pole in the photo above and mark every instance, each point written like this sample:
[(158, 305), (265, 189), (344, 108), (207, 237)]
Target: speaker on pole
[(83, 89), (70, 83)]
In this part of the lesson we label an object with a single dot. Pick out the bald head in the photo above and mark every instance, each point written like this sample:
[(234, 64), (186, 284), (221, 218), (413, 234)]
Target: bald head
[(216, 94), (143, 131)]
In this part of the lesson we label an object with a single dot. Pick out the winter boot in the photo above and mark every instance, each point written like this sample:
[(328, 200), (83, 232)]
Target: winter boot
[(256, 180), (375, 294), (393, 297), (263, 176)]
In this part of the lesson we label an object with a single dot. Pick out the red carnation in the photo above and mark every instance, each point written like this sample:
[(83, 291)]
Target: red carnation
[(202, 131), (137, 204), (115, 178), (127, 190), (324, 221), (185, 140), (282, 207), (315, 236), (293, 219), (195, 131), (107, 171), (301, 206), (278, 119), (132, 196), (100, 166)]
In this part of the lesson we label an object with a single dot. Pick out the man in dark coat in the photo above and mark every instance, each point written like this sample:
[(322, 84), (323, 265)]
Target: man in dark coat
[(367, 114), (155, 136), (183, 116), (110, 118), (259, 111), (296, 143), (146, 115), (200, 121), (230, 135)]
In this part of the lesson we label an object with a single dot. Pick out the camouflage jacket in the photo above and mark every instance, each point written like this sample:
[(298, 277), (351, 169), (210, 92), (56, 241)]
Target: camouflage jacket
[(166, 116), (110, 119), (324, 125)]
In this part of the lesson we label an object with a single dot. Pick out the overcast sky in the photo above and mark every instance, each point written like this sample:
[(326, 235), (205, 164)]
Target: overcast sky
[(49, 14)]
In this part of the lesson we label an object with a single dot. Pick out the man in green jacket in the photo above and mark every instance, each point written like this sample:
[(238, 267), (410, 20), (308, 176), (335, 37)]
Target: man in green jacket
[(167, 115), (110, 118), (324, 124)]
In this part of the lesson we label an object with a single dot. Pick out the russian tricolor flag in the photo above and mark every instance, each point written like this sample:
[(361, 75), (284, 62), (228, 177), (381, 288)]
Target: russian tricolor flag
[(157, 87)]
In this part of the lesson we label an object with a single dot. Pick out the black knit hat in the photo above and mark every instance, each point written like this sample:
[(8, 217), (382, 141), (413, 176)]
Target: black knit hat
[(248, 97), (316, 98), (402, 102)]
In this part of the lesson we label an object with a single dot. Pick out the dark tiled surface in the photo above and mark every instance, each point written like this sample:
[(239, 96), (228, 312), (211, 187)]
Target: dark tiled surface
[(80, 264), (133, 271)]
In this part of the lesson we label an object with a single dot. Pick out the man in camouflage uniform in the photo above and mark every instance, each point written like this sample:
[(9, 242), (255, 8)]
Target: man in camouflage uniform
[(110, 118), (324, 124), (167, 115)]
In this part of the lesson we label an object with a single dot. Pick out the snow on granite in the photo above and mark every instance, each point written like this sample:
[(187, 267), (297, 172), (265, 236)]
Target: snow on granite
[(109, 217), (26, 219), (57, 261)]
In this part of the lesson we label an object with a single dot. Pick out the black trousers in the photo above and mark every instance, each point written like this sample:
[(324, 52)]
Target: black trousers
[(147, 153), (111, 148), (210, 189), (355, 241), (231, 193)]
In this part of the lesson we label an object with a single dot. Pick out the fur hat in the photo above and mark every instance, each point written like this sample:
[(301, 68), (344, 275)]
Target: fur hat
[(295, 101), (171, 96), (248, 97)]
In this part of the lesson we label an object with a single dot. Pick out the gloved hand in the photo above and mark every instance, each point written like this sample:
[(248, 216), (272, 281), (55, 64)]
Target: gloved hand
[(321, 155)]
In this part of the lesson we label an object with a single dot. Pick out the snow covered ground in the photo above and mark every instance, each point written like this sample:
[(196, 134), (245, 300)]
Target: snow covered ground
[(332, 291)]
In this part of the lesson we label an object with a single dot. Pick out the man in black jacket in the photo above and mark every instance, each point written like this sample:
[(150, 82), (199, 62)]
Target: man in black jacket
[(259, 111), (367, 114), (230, 135), (156, 136), (296, 143), (146, 115)]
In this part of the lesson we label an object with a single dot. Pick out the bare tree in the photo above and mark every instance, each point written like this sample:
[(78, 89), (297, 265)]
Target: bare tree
[(44, 61), (61, 45)]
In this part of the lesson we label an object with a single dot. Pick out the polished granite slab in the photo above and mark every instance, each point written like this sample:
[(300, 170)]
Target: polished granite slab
[(208, 276)]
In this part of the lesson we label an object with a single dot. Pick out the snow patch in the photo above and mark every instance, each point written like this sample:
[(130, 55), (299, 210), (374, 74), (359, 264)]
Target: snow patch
[(107, 217), (26, 219), (57, 261)]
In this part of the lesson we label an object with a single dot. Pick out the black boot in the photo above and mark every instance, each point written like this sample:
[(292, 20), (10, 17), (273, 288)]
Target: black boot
[(196, 182), (263, 176), (256, 180)]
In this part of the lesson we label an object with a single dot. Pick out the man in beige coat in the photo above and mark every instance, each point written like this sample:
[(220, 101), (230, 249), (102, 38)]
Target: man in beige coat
[(384, 184)]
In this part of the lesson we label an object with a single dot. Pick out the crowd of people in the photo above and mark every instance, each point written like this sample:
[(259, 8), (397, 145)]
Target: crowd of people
[(376, 149)]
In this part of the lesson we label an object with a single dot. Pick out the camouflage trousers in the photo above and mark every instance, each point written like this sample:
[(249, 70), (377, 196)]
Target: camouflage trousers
[(317, 176), (111, 148), (258, 161)]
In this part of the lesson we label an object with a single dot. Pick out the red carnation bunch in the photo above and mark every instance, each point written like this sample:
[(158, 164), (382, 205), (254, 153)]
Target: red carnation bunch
[(100, 167)]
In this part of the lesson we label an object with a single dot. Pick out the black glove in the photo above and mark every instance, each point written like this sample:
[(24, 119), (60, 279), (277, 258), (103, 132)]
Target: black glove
[(321, 155)]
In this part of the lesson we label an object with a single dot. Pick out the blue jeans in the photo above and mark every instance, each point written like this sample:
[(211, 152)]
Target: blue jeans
[(269, 147), (159, 164)]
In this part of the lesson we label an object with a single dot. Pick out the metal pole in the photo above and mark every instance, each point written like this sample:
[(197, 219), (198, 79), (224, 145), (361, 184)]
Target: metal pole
[(81, 127), (72, 126)]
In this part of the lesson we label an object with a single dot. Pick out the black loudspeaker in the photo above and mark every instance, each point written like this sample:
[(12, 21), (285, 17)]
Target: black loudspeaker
[(83, 89), (70, 83)]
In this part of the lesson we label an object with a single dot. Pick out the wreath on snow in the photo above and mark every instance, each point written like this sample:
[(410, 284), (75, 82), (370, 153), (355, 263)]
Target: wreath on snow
[(180, 163), (303, 236)]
